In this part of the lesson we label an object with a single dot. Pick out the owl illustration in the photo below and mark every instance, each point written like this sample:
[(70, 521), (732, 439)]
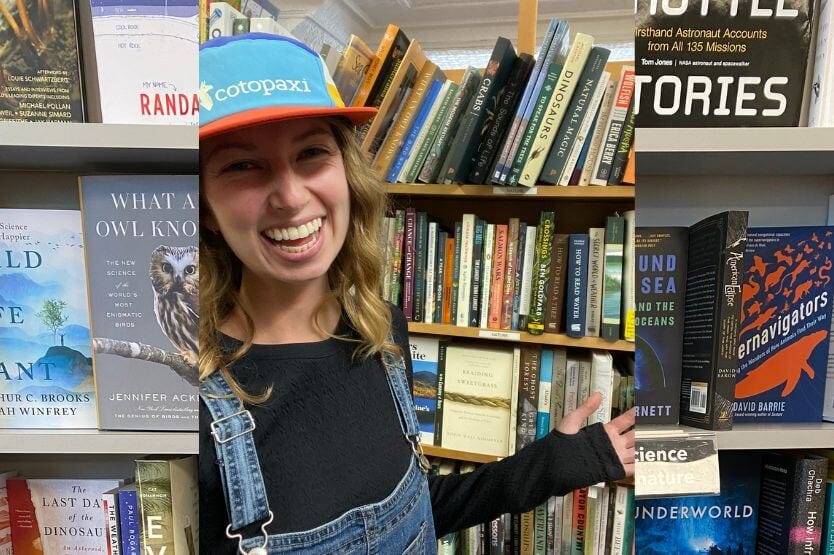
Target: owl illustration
[(175, 277)]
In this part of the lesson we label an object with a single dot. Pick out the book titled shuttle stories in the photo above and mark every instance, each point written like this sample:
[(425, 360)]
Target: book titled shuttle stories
[(142, 267), (46, 375)]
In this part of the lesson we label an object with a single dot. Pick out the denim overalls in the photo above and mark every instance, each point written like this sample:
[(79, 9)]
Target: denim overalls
[(400, 523)]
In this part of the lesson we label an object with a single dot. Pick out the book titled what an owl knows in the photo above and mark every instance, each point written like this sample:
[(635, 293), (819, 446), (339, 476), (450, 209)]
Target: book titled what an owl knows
[(46, 375), (785, 323), (142, 269)]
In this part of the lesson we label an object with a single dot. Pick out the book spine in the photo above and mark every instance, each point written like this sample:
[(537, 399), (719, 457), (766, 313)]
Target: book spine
[(456, 272), (440, 276), (376, 101), (498, 126), (111, 509), (602, 527), (580, 515), (543, 406), (614, 127), (433, 165), (388, 238), (584, 384), (555, 308), (602, 380), (390, 63), (486, 290), (821, 104), (577, 285), (828, 524), (516, 385), (448, 280), (530, 261), (436, 118), (526, 135), (628, 530), (540, 529), (467, 250), (628, 299), (618, 535), (408, 263), (499, 261), (420, 266), (568, 131), (597, 137), (375, 69), (557, 387), (528, 396), (623, 148), (593, 305), (477, 271), (467, 140), (431, 269), (567, 524), (555, 508), (579, 151), (519, 271), (556, 110), (542, 271), (612, 284), (153, 490), (531, 91), (397, 171), (809, 501), (441, 384), (129, 523), (397, 259), (509, 275)]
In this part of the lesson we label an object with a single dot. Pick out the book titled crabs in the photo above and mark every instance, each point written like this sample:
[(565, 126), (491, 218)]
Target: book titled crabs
[(785, 321)]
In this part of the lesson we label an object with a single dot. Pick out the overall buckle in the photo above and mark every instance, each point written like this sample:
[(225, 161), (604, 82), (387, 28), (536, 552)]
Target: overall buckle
[(261, 550), (215, 432)]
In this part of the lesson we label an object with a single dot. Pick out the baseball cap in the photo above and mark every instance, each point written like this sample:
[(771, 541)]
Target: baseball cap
[(259, 78)]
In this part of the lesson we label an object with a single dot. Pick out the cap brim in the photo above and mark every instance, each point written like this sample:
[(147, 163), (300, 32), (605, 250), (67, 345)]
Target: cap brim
[(260, 116)]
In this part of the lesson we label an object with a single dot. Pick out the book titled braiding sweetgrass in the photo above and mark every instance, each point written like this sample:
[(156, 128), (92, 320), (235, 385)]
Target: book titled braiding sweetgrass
[(721, 63), (143, 275)]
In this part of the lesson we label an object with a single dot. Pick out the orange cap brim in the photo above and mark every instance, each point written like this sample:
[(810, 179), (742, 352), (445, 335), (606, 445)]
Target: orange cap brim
[(259, 116)]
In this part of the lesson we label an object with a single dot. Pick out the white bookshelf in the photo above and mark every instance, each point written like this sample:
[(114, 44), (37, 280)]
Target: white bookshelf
[(90, 442), (745, 151), (749, 436), (99, 148)]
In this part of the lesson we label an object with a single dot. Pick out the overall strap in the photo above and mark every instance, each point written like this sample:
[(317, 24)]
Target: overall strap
[(240, 470), (398, 384)]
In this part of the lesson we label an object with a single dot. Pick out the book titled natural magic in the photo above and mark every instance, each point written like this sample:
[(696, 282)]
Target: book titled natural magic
[(46, 375)]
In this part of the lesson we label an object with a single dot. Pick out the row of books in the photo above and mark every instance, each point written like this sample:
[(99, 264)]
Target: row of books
[(228, 18), (154, 511), (138, 236), (725, 66), (560, 118), (777, 502), (733, 323), (596, 522), (42, 72), (521, 393), (512, 276)]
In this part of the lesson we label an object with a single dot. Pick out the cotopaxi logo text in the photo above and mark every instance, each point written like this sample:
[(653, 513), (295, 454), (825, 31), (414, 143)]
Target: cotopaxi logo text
[(265, 87)]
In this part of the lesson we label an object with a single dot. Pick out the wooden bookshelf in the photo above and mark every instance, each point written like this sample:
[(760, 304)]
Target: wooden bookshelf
[(86, 442), (549, 339), (548, 192), (434, 451)]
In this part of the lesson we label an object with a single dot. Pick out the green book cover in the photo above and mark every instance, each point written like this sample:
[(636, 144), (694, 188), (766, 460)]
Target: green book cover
[(396, 259), (541, 272), (613, 277), (153, 490), (433, 129)]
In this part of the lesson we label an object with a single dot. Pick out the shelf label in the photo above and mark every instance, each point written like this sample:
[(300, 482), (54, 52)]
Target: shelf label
[(515, 190), (496, 334), (676, 466)]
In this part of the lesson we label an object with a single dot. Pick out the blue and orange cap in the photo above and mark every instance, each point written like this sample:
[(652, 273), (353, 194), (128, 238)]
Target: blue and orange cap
[(259, 78)]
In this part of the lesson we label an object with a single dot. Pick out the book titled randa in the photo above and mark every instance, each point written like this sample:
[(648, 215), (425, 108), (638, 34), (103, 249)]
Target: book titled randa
[(785, 322), (708, 64)]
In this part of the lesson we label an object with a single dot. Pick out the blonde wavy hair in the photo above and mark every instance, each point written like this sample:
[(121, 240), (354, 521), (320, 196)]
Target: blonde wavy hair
[(355, 277)]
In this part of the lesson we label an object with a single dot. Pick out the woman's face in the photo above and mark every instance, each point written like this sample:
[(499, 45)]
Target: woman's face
[(279, 196)]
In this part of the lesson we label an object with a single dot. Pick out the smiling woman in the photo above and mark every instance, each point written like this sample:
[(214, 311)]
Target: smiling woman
[(302, 361)]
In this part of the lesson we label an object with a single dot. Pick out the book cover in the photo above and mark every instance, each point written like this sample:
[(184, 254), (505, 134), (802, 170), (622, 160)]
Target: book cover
[(476, 289), (579, 151), (420, 251), (785, 322), (131, 38), (352, 67), (389, 63), (58, 516), (476, 399), (612, 283), (410, 138), (45, 364), (577, 284), (515, 300), (722, 64), (129, 520), (392, 45), (593, 303), (499, 263), (5, 523), (596, 140), (661, 279), (527, 272), (613, 128), (143, 273), (725, 523), (425, 353), (167, 492), (542, 270), (556, 291), (409, 242), (821, 101), (41, 76), (486, 278), (509, 277), (714, 277), (428, 132)]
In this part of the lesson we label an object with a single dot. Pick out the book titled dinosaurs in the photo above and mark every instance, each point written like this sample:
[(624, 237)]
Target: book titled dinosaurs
[(785, 322), (143, 274)]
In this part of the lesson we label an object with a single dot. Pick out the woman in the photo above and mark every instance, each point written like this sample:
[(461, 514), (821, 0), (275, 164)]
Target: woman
[(306, 370)]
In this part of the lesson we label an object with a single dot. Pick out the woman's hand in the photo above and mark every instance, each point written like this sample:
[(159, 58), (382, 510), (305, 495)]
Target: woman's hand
[(619, 430)]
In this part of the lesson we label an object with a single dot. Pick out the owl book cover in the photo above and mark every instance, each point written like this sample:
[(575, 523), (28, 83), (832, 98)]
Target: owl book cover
[(46, 374), (143, 275), (784, 325)]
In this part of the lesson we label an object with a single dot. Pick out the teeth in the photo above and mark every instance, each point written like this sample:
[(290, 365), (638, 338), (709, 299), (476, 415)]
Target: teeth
[(301, 248), (292, 233)]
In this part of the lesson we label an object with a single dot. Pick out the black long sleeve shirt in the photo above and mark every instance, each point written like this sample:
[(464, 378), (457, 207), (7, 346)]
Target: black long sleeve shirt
[(329, 440)]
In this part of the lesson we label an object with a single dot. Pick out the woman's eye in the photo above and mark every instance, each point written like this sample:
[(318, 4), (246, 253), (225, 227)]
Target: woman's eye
[(312, 152), (241, 166)]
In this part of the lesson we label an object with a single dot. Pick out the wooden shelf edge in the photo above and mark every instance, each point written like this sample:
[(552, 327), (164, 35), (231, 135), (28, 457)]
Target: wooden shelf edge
[(619, 192), (434, 451), (550, 339), (96, 442)]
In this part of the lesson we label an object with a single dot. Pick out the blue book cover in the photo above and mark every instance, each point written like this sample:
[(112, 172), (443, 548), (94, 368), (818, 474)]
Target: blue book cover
[(424, 356), (713, 525), (577, 285), (45, 364), (416, 125), (129, 520), (545, 381), (785, 323)]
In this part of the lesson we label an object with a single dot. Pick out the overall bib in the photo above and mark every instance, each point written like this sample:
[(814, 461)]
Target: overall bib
[(400, 523)]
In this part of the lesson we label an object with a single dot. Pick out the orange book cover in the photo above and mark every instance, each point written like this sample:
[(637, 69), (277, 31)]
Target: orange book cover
[(448, 273), (375, 68), (499, 267), (580, 513), (628, 174)]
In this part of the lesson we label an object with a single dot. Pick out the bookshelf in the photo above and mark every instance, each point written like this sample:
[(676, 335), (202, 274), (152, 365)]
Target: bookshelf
[(746, 436), (96, 442), (544, 193)]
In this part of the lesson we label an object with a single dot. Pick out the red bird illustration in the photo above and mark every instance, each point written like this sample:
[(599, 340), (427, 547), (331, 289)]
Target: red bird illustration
[(802, 290), (783, 258), (760, 321), (760, 265), (774, 277), (751, 288), (785, 367), (798, 270)]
